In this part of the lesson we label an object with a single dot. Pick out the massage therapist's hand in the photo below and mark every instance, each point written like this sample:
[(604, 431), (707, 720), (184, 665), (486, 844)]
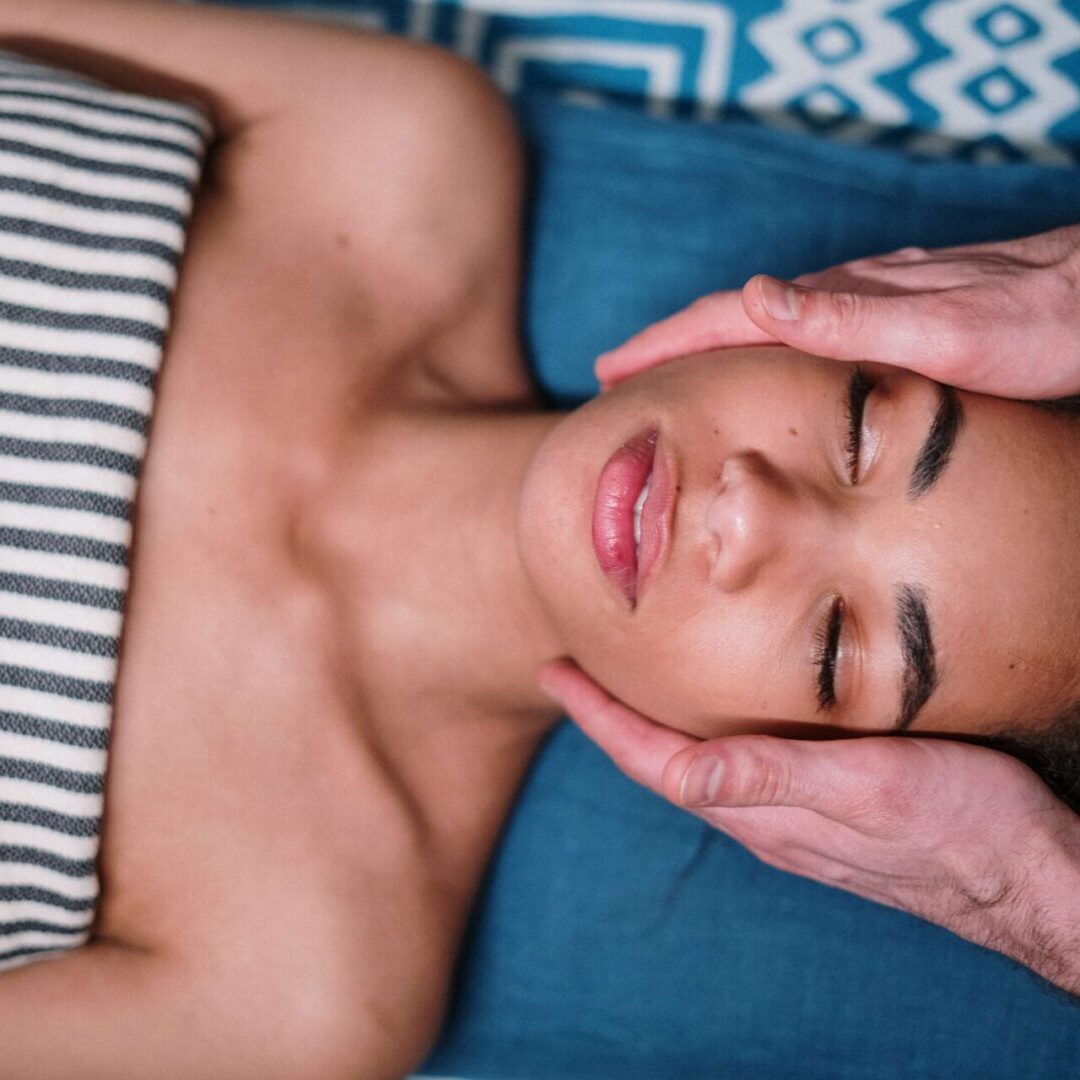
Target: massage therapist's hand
[(998, 318), (963, 836)]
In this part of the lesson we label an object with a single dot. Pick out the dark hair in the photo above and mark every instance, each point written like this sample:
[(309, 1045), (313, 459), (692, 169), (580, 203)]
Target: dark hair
[(1052, 750), (1068, 406)]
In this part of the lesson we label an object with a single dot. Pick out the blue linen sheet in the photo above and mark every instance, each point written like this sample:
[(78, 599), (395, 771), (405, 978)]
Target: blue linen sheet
[(618, 936)]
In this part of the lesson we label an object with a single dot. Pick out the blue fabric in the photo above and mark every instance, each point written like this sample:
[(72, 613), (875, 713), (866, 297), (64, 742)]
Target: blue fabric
[(985, 79), (616, 936)]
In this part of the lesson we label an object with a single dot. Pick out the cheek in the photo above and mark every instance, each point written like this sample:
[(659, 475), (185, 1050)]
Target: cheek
[(553, 537), (690, 667), (659, 676)]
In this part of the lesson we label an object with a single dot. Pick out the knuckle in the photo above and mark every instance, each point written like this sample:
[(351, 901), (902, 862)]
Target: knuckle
[(958, 333), (894, 794), (766, 777), (850, 311), (1056, 290)]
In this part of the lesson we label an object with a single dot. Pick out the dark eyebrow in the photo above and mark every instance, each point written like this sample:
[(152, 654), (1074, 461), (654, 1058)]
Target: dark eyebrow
[(920, 676), (934, 455)]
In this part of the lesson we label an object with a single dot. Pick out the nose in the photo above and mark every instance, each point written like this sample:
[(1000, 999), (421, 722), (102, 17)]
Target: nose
[(761, 520)]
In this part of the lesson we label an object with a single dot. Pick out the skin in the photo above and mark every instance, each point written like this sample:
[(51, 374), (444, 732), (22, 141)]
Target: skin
[(770, 527), (996, 318), (310, 756), (959, 835), (325, 560)]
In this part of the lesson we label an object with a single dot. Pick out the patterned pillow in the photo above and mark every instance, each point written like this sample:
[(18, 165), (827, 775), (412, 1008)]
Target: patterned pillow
[(980, 79)]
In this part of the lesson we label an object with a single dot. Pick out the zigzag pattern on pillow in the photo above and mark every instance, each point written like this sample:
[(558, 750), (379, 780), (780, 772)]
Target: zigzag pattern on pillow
[(981, 79)]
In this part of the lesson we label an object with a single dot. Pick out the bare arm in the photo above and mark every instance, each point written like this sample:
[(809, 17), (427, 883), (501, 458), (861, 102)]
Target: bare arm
[(241, 65), (300, 103), (107, 1010), (330, 140)]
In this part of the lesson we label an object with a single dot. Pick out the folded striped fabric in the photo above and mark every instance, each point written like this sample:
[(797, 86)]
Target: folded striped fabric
[(96, 190)]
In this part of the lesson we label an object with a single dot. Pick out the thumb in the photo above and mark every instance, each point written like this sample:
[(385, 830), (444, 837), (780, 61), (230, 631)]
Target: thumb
[(842, 779), (735, 771), (905, 329)]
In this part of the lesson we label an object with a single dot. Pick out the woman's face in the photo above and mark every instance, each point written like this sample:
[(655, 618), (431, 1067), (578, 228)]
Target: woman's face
[(821, 544)]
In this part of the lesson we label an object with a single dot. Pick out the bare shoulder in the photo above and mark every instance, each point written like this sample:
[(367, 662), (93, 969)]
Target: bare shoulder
[(397, 186), (409, 152)]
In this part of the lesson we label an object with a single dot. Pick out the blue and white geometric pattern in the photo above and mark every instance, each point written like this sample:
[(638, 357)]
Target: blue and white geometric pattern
[(994, 80), (1003, 79)]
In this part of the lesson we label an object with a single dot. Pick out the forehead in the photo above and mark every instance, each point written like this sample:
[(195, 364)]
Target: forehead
[(775, 368), (997, 548)]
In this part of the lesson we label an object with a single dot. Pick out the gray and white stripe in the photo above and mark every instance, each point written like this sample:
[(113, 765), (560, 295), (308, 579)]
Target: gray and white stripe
[(96, 190)]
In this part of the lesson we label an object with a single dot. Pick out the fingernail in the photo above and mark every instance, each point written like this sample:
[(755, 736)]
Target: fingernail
[(782, 301), (702, 781)]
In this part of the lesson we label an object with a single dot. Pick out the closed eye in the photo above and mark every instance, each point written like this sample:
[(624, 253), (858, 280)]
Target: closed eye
[(827, 644), (859, 387)]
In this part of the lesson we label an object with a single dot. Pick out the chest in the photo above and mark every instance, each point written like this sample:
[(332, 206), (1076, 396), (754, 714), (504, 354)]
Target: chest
[(239, 772)]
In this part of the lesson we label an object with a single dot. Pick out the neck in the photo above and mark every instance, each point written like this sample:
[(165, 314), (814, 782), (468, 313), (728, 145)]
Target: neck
[(417, 548)]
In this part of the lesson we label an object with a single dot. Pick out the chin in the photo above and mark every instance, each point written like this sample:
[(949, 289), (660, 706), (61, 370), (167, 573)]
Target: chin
[(549, 520)]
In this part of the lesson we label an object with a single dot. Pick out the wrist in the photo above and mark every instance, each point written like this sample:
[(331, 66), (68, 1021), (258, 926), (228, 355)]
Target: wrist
[(1069, 237), (1040, 924)]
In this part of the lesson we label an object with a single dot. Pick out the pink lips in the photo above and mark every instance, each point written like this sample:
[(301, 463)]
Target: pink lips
[(620, 484)]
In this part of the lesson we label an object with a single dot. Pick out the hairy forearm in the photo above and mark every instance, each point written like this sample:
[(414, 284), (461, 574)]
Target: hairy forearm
[(1048, 938), (239, 64), (1033, 916)]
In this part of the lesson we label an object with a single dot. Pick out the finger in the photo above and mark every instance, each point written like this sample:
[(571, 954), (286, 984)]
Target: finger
[(638, 746), (793, 839), (770, 831), (845, 780), (716, 321), (926, 332)]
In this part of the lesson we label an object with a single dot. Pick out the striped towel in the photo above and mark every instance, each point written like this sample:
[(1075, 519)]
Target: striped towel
[(96, 190)]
